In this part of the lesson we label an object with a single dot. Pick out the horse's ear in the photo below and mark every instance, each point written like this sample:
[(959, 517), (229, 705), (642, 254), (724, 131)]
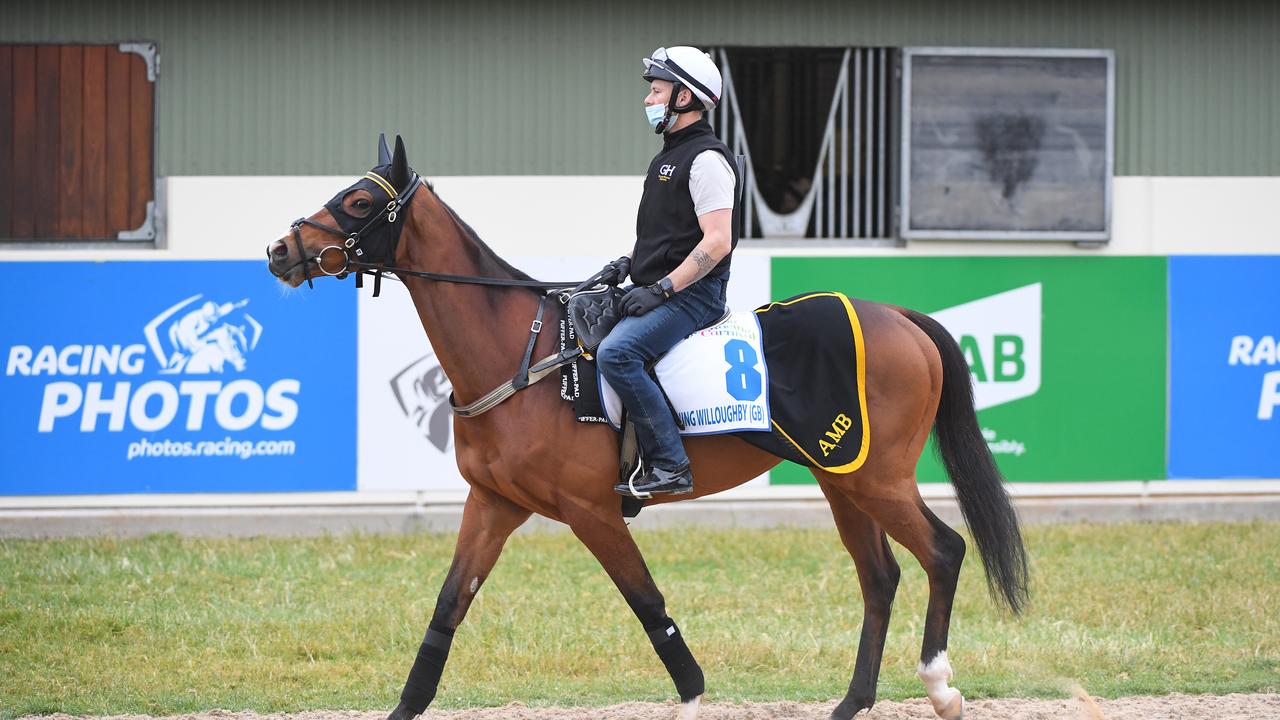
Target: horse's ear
[(399, 165), (384, 155)]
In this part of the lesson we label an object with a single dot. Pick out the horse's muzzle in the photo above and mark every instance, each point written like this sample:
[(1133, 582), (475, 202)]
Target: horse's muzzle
[(278, 251), (278, 259)]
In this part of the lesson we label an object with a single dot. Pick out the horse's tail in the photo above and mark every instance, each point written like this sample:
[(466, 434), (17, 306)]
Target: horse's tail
[(979, 487)]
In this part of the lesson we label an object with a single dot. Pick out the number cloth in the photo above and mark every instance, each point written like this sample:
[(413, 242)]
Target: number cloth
[(715, 380)]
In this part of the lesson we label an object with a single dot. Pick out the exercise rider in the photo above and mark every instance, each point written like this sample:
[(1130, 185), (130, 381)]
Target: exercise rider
[(685, 234)]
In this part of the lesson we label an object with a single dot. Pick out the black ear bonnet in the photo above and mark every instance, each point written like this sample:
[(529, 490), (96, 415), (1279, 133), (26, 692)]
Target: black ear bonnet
[(377, 246)]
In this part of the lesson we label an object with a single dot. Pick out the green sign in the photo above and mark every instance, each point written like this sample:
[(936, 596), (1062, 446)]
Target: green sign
[(1067, 353)]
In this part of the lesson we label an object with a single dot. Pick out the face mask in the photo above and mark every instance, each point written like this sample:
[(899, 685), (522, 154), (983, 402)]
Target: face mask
[(655, 114)]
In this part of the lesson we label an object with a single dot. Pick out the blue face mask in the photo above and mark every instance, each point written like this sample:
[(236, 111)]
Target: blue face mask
[(655, 114)]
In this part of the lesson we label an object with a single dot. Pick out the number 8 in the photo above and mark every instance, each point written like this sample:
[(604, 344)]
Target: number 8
[(742, 381)]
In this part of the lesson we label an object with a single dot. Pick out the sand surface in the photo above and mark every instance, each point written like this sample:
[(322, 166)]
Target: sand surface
[(1168, 707)]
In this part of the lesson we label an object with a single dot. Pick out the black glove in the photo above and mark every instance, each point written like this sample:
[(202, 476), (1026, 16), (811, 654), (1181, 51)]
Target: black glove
[(640, 300), (621, 268)]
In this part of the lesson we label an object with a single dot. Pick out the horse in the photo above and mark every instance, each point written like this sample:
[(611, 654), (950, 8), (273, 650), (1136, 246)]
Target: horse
[(529, 454)]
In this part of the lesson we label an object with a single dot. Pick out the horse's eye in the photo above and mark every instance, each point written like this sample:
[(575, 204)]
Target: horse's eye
[(362, 204)]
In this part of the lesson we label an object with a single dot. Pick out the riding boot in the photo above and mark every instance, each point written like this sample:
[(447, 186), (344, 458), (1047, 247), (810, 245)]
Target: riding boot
[(658, 481)]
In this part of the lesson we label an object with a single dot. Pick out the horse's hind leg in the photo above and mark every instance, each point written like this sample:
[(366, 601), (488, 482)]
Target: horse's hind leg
[(487, 521), (897, 507), (945, 550), (609, 540), (878, 577)]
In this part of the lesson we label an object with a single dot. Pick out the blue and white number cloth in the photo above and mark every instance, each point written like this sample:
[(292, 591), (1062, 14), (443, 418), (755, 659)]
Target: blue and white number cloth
[(716, 379)]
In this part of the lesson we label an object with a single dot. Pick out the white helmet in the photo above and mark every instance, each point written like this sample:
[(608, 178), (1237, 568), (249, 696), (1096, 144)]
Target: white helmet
[(689, 66)]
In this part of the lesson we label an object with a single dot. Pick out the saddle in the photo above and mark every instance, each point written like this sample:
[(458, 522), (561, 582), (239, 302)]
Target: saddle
[(593, 313)]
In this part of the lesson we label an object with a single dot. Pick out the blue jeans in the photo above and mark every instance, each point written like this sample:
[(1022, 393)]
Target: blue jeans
[(635, 342)]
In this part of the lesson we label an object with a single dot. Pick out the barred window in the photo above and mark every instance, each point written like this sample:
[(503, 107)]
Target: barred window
[(816, 127)]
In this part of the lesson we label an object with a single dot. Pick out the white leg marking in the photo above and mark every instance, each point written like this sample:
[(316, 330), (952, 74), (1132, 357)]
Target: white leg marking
[(947, 702), (689, 710), (475, 585)]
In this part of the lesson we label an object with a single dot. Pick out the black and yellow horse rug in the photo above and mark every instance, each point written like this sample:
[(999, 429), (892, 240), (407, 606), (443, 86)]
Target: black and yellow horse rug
[(816, 359)]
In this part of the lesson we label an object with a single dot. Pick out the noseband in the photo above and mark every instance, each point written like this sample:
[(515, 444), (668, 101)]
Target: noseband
[(351, 241)]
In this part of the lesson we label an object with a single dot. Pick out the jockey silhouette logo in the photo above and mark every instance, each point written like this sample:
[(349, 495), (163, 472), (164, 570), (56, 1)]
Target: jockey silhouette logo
[(200, 338), (422, 390)]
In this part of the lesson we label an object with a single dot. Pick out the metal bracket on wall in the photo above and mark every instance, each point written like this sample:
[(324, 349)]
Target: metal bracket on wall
[(148, 53), (145, 231)]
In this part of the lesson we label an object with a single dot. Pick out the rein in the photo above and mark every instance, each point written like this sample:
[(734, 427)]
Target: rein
[(527, 374)]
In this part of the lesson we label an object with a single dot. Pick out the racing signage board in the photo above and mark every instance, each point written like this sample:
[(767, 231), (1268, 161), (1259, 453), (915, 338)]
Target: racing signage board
[(1067, 354), (1224, 389), (173, 377)]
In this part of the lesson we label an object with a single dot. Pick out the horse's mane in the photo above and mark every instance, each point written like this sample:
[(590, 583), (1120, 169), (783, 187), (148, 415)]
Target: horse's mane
[(485, 251)]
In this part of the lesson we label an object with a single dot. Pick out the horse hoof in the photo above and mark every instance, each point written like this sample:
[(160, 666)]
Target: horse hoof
[(402, 713), (953, 709), (689, 710)]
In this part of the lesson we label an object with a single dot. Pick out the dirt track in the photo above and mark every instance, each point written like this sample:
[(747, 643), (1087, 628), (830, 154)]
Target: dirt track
[(1169, 707)]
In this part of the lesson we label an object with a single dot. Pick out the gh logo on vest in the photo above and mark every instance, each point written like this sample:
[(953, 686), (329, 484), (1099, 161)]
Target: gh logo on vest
[(1000, 338), (666, 172)]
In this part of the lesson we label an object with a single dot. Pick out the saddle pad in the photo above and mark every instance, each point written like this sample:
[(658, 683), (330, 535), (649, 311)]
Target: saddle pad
[(817, 382), (578, 379), (715, 379)]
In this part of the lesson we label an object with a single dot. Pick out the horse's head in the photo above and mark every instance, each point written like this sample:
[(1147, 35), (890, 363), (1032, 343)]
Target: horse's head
[(360, 225)]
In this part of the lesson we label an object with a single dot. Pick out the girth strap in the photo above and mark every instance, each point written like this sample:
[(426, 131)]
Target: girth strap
[(494, 397)]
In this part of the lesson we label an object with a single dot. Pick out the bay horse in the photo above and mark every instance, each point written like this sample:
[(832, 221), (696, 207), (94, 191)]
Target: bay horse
[(529, 454)]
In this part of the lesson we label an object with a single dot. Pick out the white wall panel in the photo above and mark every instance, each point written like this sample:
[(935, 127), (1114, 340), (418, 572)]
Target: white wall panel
[(235, 217), (1215, 215)]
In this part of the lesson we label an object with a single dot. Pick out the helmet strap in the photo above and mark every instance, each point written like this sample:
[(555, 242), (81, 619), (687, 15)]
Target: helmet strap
[(661, 127), (673, 109), (694, 102)]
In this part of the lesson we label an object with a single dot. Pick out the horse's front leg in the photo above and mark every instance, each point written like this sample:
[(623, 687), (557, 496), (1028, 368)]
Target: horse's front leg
[(607, 537), (487, 521)]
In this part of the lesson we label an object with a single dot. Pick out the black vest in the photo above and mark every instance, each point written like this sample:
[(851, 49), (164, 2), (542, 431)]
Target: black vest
[(667, 227)]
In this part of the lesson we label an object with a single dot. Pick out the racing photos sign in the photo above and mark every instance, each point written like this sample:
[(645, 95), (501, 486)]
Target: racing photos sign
[(1224, 360), (174, 377)]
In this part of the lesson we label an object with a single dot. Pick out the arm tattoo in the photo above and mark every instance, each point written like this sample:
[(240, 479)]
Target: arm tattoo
[(704, 261)]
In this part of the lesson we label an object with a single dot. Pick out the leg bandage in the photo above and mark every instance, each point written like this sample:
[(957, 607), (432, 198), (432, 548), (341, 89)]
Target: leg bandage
[(675, 655), (424, 677)]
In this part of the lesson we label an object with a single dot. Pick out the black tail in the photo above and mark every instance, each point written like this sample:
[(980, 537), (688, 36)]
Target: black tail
[(979, 487)]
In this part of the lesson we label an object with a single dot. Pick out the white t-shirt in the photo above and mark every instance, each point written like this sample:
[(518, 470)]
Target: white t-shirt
[(710, 183)]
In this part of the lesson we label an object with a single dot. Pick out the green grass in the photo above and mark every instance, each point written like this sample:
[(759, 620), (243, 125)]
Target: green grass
[(168, 625)]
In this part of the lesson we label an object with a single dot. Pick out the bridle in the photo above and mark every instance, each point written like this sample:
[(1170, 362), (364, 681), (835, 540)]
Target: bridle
[(393, 212), (389, 214)]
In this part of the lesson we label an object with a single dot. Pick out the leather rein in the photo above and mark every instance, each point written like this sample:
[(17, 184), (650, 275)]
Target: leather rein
[(528, 374)]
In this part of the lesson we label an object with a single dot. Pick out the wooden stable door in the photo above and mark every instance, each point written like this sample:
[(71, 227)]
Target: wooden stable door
[(76, 138)]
